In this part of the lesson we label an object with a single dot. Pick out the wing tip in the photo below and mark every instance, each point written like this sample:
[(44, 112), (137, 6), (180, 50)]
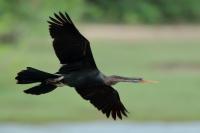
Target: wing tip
[(117, 112), (60, 18)]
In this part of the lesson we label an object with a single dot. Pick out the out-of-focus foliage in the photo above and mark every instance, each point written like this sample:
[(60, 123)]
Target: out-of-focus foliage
[(118, 11), (16, 13), (145, 11)]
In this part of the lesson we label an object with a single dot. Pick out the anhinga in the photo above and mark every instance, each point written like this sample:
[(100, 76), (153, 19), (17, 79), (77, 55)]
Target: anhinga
[(78, 70)]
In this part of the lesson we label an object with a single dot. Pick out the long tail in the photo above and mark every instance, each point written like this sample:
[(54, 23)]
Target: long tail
[(40, 89), (32, 75)]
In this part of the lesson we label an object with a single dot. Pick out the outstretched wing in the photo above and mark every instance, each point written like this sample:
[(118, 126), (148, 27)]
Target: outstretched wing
[(105, 99), (69, 45)]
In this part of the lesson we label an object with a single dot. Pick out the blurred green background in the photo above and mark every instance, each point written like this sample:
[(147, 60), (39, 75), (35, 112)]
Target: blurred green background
[(154, 39)]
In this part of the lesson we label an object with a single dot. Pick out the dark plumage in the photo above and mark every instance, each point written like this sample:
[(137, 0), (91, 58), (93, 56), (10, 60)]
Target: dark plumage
[(78, 70)]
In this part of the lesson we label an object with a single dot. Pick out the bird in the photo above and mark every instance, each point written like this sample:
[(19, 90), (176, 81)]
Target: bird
[(78, 70)]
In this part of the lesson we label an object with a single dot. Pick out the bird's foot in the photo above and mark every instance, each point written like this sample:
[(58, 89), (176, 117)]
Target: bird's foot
[(55, 81)]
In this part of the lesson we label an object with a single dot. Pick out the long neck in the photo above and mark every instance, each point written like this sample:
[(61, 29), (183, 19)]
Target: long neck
[(111, 80)]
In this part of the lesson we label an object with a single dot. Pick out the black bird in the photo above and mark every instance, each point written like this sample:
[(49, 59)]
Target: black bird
[(78, 70)]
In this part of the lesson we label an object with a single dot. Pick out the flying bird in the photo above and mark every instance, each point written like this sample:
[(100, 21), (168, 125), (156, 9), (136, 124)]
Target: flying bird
[(78, 70)]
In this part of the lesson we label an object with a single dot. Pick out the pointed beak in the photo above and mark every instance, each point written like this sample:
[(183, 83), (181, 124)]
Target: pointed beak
[(149, 81)]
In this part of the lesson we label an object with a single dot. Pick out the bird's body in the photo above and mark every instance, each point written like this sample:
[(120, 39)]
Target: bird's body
[(78, 70), (82, 78)]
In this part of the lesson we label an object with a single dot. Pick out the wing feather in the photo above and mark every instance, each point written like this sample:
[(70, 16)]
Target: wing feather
[(69, 45), (105, 99)]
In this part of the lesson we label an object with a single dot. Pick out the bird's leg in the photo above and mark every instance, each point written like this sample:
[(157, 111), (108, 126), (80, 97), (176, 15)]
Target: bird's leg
[(55, 81)]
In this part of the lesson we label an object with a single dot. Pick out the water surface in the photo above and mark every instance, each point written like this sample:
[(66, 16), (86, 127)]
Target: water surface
[(103, 127)]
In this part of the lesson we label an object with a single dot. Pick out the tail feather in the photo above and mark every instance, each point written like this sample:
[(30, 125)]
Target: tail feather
[(32, 75), (40, 89)]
